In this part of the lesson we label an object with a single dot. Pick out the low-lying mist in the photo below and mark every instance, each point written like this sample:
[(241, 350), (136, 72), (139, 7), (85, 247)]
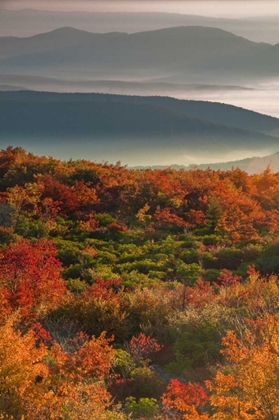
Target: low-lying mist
[(108, 150), (262, 97)]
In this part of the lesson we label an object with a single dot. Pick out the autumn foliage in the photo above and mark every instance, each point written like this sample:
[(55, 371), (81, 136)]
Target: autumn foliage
[(30, 277), (249, 388), (137, 294), (185, 398)]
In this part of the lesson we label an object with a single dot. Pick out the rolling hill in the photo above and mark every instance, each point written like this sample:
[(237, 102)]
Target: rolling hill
[(177, 55), (217, 113), (59, 38), (113, 127)]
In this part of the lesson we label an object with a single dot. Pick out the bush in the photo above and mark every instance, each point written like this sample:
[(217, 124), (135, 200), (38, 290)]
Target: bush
[(73, 272), (68, 252), (146, 408), (195, 347), (76, 285), (123, 363), (211, 275), (147, 383), (229, 258), (105, 219)]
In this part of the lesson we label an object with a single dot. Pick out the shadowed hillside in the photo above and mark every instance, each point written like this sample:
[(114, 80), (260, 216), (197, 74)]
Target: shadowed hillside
[(129, 128)]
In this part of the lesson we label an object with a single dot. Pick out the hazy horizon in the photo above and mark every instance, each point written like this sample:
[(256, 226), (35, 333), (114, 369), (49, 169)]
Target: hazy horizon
[(213, 8)]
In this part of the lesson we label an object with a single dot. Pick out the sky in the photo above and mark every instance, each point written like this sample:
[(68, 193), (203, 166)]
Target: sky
[(217, 8)]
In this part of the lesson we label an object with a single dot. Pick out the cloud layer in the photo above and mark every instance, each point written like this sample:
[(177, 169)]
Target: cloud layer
[(232, 8)]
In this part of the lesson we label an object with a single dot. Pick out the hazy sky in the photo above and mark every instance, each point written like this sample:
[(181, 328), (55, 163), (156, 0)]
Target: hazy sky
[(226, 8)]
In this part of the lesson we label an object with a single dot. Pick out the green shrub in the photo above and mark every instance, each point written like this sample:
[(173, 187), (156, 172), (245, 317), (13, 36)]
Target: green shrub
[(123, 363), (73, 272), (146, 408), (105, 219), (194, 347), (76, 285), (147, 383)]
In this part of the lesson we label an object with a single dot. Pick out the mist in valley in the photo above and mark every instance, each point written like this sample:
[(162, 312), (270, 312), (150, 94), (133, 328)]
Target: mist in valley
[(230, 57), (262, 97)]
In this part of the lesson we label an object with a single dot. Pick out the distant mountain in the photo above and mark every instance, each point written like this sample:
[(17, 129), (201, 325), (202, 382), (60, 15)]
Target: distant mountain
[(258, 65), (113, 127), (31, 22), (59, 38), (259, 164), (251, 165), (177, 55), (243, 164)]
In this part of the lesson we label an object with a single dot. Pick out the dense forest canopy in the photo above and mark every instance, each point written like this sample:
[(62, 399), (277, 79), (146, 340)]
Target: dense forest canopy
[(141, 293)]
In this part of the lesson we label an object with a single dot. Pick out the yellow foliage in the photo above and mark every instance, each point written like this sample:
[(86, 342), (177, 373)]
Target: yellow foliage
[(21, 364), (249, 389)]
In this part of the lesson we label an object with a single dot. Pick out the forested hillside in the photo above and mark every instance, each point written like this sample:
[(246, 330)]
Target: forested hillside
[(138, 130), (214, 112), (137, 294)]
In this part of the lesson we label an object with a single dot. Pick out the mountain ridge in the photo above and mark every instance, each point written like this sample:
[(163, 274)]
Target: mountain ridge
[(18, 22), (182, 54), (212, 111), (117, 127)]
